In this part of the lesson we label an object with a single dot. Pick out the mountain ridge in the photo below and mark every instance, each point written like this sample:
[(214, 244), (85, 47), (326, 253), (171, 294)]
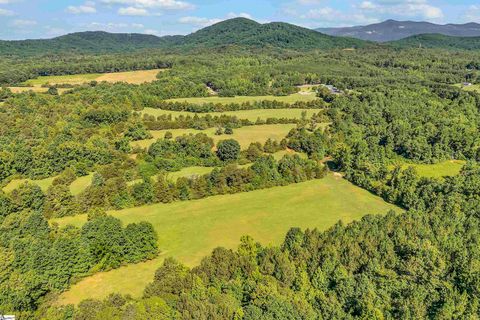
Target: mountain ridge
[(391, 30), (438, 41), (237, 31)]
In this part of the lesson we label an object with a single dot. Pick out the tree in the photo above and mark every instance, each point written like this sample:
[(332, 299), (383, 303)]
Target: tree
[(52, 91), (228, 150)]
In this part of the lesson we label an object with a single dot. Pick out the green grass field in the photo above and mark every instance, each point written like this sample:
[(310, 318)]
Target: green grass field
[(81, 184), (135, 77), (244, 135), (475, 87), (438, 170), (76, 187), (185, 172), (241, 99), (251, 115), (14, 184), (190, 230)]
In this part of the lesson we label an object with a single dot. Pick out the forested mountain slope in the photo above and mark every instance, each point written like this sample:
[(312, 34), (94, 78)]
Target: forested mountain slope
[(391, 30), (90, 42), (245, 32), (238, 32), (438, 41)]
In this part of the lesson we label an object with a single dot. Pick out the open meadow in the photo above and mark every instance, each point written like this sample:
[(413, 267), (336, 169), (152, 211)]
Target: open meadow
[(251, 115), (304, 96), (190, 230), (437, 170), (244, 135), (134, 77)]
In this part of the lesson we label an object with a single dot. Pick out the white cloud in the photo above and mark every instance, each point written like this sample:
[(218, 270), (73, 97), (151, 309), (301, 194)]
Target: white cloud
[(159, 4), (309, 2), (20, 23), (138, 25), (472, 14), (132, 11), (5, 12), (336, 18), (367, 5), (87, 7), (198, 21), (402, 8), (205, 22), (151, 31)]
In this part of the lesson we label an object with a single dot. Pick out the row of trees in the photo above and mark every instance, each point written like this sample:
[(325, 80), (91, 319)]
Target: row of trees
[(38, 258)]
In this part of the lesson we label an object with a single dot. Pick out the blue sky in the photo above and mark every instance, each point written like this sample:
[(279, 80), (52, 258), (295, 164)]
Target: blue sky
[(20, 19)]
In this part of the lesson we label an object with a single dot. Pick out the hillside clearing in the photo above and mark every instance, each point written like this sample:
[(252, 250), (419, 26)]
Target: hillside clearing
[(190, 230), (134, 77), (35, 89), (14, 184), (437, 170), (251, 115), (296, 97), (244, 135)]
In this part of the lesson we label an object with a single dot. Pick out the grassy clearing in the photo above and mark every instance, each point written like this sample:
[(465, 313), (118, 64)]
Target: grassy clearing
[(241, 99), (244, 135), (14, 184), (438, 170), (475, 87), (80, 184), (190, 230), (135, 77), (185, 172), (35, 89), (251, 115)]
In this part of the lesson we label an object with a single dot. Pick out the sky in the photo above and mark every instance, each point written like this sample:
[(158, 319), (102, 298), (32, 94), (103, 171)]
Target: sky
[(31, 19)]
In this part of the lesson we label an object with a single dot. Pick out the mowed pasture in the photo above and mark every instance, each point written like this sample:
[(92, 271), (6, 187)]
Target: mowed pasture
[(35, 89), (244, 135), (134, 77), (44, 184), (76, 187), (189, 172), (251, 115), (438, 170), (189, 230), (475, 87), (296, 97)]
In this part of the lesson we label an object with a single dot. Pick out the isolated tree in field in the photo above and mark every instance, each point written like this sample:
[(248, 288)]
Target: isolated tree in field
[(53, 91), (228, 130), (228, 150)]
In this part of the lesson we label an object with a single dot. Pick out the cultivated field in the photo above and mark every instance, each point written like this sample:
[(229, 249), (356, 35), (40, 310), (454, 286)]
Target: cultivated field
[(251, 115), (135, 77), (189, 230), (244, 135), (305, 96)]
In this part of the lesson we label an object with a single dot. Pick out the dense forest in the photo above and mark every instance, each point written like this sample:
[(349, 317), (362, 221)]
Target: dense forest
[(392, 106)]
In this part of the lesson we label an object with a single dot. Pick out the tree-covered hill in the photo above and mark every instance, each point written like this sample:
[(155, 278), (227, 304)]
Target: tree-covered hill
[(238, 31), (391, 30), (245, 32), (438, 41), (90, 42)]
